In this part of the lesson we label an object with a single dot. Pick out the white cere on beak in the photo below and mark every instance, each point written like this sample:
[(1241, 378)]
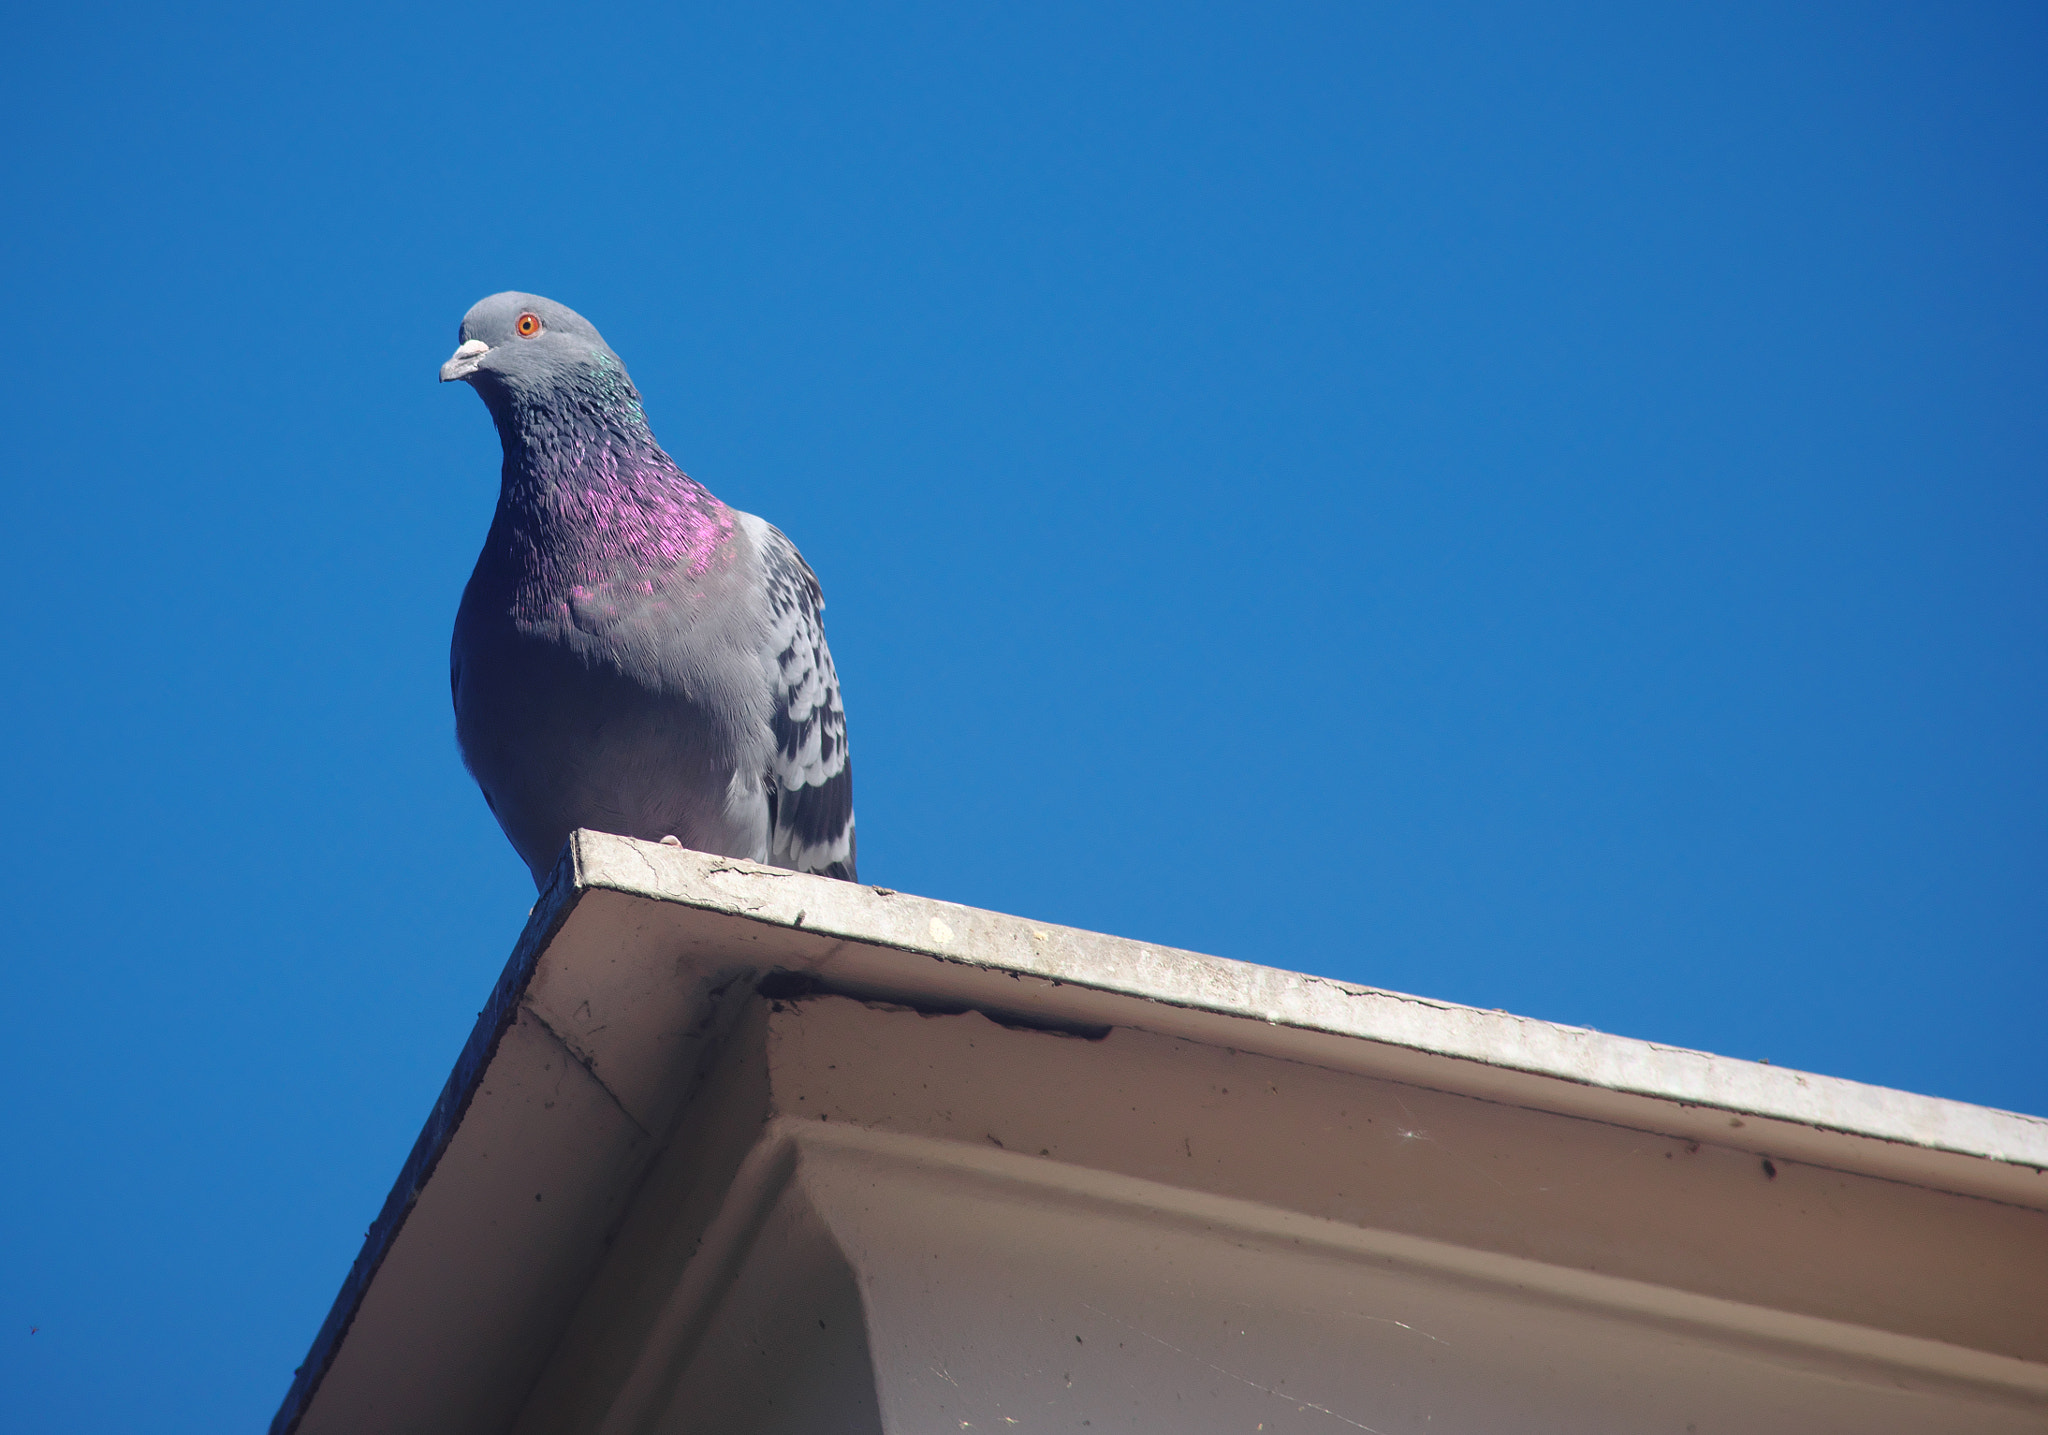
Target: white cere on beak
[(464, 361)]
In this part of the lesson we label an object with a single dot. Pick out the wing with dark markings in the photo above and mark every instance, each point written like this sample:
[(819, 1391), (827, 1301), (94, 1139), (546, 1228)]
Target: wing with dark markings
[(810, 776)]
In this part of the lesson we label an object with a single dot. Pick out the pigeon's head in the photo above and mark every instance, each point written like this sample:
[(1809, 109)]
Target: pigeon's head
[(525, 347)]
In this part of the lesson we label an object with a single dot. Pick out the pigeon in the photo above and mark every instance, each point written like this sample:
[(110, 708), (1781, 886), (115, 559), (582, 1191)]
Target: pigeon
[(630, 654)]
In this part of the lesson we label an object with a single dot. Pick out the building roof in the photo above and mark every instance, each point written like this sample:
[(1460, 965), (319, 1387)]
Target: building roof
[(622, 970)]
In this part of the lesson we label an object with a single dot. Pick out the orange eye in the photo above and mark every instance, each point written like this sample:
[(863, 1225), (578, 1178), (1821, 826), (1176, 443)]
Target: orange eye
[(528, 325)]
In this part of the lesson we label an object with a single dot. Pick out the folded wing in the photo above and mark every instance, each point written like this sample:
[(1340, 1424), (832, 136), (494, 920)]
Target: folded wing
[(810, 776)]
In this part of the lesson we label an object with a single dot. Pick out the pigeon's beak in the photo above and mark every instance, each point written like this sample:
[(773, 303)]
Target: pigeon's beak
[(465, 360)]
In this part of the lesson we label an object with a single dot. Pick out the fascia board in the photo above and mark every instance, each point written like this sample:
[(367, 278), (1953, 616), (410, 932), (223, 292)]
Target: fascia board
[(892, 945)]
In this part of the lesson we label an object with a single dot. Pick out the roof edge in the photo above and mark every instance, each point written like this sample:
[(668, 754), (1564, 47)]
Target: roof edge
[(882, 918), (565, 888)]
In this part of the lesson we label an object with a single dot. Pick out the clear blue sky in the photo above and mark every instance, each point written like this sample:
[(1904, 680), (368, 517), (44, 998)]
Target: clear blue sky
[(1544, 510)]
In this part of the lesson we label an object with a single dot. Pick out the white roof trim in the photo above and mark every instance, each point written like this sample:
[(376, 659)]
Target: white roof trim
[(877, 918)]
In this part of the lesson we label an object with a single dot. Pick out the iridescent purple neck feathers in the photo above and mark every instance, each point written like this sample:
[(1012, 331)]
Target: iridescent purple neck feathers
[(588, 497)]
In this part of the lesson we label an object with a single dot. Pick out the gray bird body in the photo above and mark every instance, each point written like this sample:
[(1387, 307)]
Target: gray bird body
[(630, 654)]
